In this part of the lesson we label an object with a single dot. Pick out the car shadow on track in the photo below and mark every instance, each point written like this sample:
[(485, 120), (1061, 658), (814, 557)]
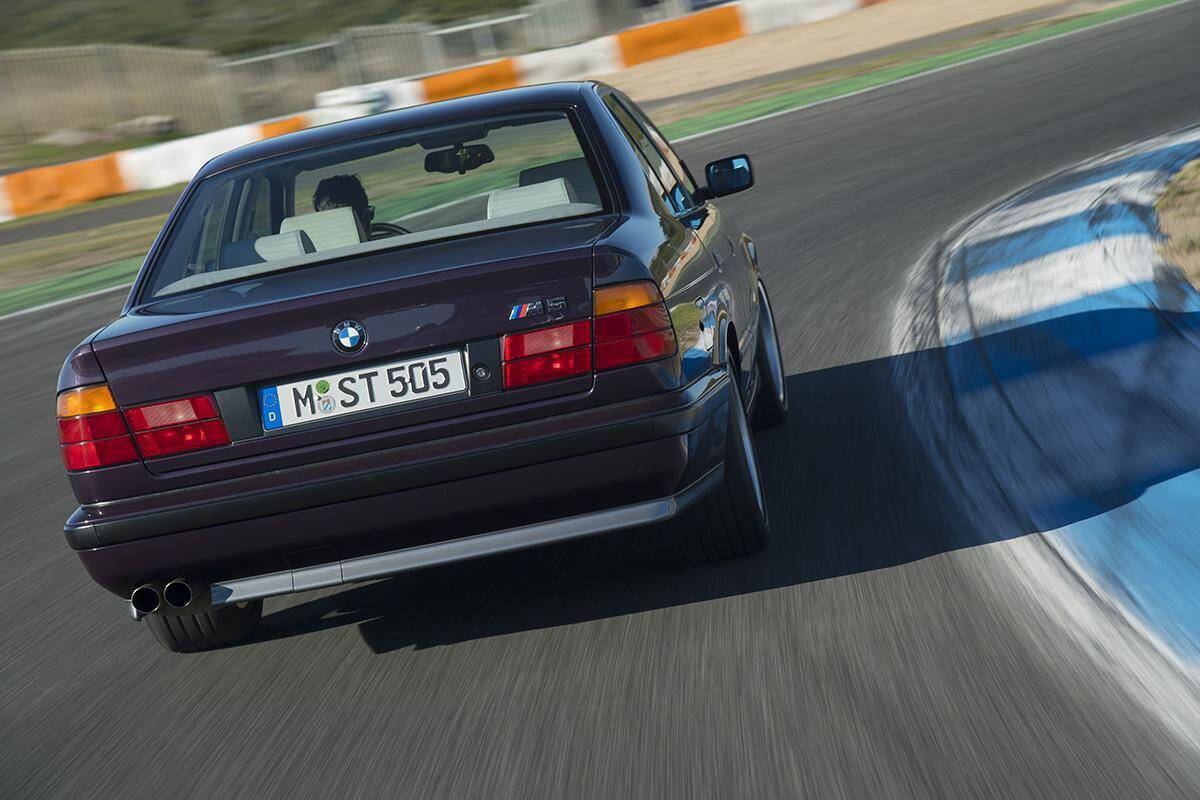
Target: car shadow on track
[(849, 490), (1088, 411)]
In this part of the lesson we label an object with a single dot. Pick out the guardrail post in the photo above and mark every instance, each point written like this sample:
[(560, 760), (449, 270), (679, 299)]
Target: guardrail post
[(228, 105), (109, 57), (350, 67)]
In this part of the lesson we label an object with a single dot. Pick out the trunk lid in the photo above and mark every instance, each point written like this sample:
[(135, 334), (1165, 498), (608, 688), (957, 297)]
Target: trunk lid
[(233, 339)]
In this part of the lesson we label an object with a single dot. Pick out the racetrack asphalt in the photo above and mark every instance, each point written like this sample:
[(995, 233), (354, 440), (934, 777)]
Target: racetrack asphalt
[(887, 645)]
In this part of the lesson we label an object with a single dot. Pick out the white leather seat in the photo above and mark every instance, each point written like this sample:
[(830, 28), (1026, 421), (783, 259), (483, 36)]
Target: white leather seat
[(521, 199), (283, 245), (337, 227)]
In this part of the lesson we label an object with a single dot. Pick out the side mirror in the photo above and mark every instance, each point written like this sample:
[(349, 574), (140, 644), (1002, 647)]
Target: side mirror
[(728, 175)]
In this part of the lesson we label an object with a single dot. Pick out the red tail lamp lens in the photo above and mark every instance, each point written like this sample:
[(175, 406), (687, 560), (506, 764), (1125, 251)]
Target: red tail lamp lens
[(631, 323), (635, 349), (548, 354), (174, 412), (177, 426), (182, 438), (100, 453), (548, 367), (91, 430), (546, 340), (632, 335)]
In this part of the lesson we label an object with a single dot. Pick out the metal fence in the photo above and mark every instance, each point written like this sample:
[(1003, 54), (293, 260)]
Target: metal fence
[(96, 86), (381, 52), (283, 81), (555, 23)]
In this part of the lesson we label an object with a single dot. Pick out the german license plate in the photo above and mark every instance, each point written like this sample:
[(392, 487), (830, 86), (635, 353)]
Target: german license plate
[(362, 389)]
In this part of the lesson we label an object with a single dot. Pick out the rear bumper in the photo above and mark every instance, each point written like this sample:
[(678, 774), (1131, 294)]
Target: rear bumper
[(611, 467), (393, 562)]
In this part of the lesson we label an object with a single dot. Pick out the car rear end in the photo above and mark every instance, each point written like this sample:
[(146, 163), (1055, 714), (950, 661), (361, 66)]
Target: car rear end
[(312, 418)]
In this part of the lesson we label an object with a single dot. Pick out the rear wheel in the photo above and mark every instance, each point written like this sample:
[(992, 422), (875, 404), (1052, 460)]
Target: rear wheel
[(771, 402), (732, 520), (207, 630)]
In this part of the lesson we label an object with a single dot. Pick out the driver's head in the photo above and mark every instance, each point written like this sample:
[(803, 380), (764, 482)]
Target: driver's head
[(344, 191)]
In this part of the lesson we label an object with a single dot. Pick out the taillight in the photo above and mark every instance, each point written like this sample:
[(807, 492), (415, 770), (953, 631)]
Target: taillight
[(95, 433), (177, 426), (91, 431), (631, 326), (547, 354)]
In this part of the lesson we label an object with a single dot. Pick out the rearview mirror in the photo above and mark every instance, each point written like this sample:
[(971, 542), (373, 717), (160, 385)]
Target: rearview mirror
[(459, 159), (729, 175)]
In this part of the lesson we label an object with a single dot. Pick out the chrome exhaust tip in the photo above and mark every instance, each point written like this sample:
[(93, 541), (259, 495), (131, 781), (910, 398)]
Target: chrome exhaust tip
[(178, 593), (145, 599)]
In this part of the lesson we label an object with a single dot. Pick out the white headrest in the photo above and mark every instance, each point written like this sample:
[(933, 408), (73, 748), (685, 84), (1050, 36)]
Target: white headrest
[(337, 227), (520, 199), (283, 245)]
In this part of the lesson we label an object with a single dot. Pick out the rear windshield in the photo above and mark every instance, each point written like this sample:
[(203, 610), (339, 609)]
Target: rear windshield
[(355, 197)]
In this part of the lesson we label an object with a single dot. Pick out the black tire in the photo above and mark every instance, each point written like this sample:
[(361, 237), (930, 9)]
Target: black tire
[(771, 402), (207, 630), (731, 521)]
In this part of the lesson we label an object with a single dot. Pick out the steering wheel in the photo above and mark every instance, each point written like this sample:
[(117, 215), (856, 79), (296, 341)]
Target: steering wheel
[(388, 228)]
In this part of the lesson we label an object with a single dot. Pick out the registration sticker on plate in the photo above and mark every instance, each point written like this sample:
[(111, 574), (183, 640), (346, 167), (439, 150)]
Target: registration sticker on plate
[(362, 389)]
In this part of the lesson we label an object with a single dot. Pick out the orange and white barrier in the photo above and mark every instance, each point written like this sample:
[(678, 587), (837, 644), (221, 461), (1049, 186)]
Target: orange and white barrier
[(34, 191), (599, 56), (43, 189), (177, 161), (6, 212), (673, 36)]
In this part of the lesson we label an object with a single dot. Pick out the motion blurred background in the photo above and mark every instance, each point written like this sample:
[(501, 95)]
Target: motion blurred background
[(223, 63), (984, 572), (109, 108)]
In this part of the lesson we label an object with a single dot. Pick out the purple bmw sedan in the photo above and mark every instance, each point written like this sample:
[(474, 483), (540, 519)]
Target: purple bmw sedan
[(420, 337)]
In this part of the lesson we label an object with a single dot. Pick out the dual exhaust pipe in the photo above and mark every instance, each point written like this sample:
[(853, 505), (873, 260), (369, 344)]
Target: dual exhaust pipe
[(177, 595)]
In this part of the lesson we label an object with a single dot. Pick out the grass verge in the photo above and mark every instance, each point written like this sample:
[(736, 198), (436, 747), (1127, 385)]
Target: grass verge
[(78, 283), (1179, 218), (830, 89), (58, 257)]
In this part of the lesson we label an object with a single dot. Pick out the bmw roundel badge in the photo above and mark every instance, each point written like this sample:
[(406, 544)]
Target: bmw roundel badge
[(349, 337)]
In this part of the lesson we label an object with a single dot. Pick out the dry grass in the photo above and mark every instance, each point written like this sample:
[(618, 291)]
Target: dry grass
[(1179, 217), (37, 259), (884, 25)]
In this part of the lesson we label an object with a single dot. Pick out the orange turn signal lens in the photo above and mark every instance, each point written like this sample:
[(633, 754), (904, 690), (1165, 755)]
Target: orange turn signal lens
[(88, 400), (623, 296)]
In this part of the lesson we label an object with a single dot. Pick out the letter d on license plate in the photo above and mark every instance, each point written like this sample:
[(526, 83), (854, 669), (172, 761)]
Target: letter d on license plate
[(362, 389)]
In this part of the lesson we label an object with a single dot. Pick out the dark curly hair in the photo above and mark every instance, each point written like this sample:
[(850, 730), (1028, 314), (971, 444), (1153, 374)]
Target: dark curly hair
[(339, 191)]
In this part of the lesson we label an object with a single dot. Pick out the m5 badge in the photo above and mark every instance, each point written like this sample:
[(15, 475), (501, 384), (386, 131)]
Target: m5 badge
[(553, 306), (526, 310)]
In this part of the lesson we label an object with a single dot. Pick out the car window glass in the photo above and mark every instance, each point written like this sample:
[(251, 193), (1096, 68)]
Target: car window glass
[(358, 196), (206, 245), (659, 196), (661, 144), (676, 194), (260, 215)]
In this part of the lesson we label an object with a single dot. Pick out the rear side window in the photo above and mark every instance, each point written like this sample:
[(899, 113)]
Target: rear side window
[(677, 194), (259, 208), (206, 247), (660, 198), (661, 144), (330, 203)]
